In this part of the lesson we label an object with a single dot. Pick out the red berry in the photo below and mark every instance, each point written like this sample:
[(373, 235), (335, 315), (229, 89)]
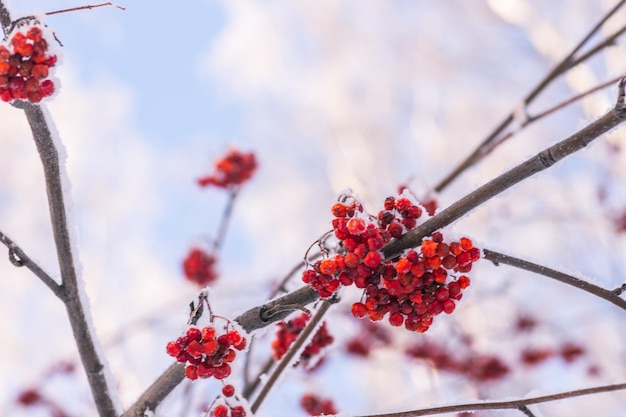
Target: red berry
[(359, 310), (220, 411), (466, 244), (191, 372), (228, 390), (328, 267), (372, 259), (238, 411), (396, 319), (338, 210), (173, 349), (356, 226)]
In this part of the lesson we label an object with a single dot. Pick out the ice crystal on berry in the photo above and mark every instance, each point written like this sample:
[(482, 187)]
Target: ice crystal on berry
[(25, 65), (232, 170)]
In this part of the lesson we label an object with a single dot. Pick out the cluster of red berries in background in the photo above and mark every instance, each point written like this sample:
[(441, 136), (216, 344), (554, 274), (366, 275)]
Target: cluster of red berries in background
[(25, 65), (232, 170), (288, 332), (199, 267), (206, 354), (412, 288), (315, 405)]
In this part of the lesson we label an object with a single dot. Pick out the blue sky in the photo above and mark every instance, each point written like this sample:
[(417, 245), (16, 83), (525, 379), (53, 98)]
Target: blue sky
[(330, 95)]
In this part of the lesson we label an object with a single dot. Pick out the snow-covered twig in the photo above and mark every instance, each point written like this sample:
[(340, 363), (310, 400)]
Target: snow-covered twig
[(500, 258), (538, 163), (71, 295), (503, 405), (567, 63)]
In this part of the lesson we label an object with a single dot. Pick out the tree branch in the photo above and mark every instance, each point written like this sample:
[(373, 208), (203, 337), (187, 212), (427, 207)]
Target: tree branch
[(538, 163), (610, 296), (19, 258), (503, 405), (567, 63), (71, 295), (251, 320)]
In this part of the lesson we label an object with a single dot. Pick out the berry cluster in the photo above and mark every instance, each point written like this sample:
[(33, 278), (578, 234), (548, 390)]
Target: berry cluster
[(232, 170), (24, 66), (199, 267), (289, 331), (315, 405), (475, 366), (412, 288), (207, 354)]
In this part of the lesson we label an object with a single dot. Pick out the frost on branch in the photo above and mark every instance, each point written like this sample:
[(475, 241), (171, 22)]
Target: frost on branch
[(413, 288)]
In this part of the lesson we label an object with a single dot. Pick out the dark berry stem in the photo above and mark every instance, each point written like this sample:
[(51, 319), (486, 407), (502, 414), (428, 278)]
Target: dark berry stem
[(503, 405), (561, 68), (295, 348), (500, 258), (538, 163), (228, 211)]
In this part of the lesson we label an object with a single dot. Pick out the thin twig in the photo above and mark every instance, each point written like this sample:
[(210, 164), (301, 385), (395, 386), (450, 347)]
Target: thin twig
[(289, 356), (500, 258), (538, 163), (19, 258), (503, 405), (524, 409), (226, 215), (73, 9), (536, 117), (568, 62)]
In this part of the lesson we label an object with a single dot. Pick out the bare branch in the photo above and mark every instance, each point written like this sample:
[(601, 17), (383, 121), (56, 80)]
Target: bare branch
[(499, 258), (538, 163), (567, 63), (503, 405), (19, 258)]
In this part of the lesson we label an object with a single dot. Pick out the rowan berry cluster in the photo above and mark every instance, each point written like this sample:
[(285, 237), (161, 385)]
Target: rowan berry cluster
[(25, 65), (315, 405), (412, 288), (232, 170), (206, 353), (199, 267), (288, 332)]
